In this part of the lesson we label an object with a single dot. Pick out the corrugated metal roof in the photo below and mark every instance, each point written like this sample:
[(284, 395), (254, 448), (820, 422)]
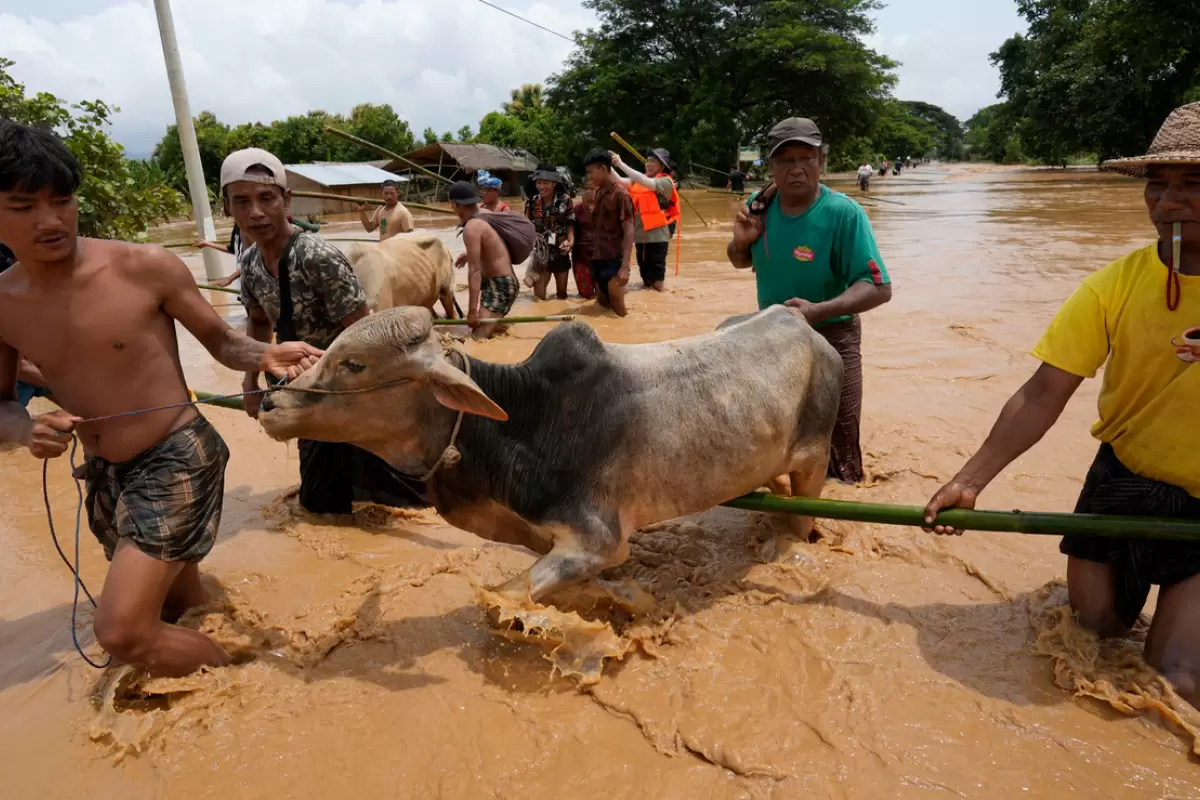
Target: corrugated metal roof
[(343, 174), (471, 157)]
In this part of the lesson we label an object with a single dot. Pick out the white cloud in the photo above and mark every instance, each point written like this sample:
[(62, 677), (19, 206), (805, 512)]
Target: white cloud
[(439, 63)]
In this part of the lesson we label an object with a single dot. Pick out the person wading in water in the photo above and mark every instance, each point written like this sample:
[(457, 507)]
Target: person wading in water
[(1133, 318), (98, 318), (390, 218), (656, 201), (812, 248), (493, 285), (300, 288)]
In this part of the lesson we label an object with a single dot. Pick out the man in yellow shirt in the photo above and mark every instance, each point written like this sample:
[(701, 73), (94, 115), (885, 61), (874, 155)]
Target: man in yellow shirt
[(1139, 318), (390, 218)]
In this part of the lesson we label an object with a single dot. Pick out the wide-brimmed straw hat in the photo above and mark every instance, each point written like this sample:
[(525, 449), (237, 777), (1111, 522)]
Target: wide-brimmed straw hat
[(1177, 142)]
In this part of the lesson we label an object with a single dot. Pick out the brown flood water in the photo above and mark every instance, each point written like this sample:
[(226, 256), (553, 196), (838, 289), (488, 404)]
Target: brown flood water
[(878, 662)]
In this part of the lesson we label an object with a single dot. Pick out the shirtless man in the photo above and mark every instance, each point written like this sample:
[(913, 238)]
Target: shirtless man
[(97, 318), (390, 218), (493, 283)]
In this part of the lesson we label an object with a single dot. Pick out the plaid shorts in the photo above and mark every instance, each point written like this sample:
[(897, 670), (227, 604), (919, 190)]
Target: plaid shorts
[(167, 500), (499, 293)]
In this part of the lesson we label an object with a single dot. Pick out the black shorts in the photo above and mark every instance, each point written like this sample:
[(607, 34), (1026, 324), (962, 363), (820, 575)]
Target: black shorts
[(334, 476), (1137, 564), (652, 261), (603, 271), (559, 263)]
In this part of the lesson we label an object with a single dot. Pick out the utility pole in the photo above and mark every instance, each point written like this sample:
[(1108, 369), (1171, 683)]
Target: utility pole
[(201, 210)]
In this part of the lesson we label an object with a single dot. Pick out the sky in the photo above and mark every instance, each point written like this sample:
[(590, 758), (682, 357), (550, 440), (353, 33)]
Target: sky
[(439, 63)]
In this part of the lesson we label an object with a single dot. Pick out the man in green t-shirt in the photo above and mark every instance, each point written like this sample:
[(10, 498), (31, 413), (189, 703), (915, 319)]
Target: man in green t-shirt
[(812, 248)]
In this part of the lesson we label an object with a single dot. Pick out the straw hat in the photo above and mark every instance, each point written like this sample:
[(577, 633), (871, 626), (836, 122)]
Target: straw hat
[(1177, 142)]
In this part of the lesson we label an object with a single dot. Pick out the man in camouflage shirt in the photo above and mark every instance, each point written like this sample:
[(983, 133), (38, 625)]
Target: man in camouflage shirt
[(301, 288)]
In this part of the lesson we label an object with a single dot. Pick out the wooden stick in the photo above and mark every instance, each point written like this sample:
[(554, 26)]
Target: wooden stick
[(345, 198), (509, 320), (642, 159), (710, 169), (879, 199), (725, 191), (211, 288), (1005, 521), (364, 143)]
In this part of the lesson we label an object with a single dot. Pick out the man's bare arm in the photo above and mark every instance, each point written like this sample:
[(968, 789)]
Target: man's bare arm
[(862, 296), (260, 329), (183, 301), (368, 221), (15, 423)]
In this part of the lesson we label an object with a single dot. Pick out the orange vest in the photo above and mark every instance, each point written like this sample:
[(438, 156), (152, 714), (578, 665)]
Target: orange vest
[(645, 201), (672, 210)]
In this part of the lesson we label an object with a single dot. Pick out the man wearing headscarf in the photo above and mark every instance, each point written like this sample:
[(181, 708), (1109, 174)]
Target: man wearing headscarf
[(489, 187)]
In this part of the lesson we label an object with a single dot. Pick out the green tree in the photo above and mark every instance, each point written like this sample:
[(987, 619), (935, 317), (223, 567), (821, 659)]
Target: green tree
[(117, 200), (709, 75), (1098, 76), (942, 126), (302, 139), (465, 134), (379, 125), (430, 136), (500, 129), (989, 132), (212, 138), (900, 134)]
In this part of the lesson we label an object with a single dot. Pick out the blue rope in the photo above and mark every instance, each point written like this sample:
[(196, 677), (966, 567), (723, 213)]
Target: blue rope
[(79, 584)]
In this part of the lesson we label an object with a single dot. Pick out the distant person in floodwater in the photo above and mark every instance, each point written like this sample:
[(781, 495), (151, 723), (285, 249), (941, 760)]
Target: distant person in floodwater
[(489, 192), (492, 283), (864, 177), (390, 218), (812, 248), (585, 241), (737, 181), (99, 318), (1139, 319), (552, 213), (656, 202), (613, 223)]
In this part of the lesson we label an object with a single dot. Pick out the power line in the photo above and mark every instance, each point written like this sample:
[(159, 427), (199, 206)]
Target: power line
[(527, 21)]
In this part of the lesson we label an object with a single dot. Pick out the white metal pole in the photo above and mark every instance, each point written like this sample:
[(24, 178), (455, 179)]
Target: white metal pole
[(213, 268)]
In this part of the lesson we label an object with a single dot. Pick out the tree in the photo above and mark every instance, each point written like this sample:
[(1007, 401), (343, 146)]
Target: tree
[(989, 133), (1098, 76), (709, 75), (465, 134), (117, 200), (942, 126), (211, 137), (430, 136), (301, 139), (379, 125), (899, 134)]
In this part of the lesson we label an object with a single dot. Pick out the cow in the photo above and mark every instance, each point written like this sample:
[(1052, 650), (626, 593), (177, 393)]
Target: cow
[(570, 451), (405, 271)]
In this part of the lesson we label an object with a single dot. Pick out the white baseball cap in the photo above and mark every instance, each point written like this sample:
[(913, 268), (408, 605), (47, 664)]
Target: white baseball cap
[(236, 165)]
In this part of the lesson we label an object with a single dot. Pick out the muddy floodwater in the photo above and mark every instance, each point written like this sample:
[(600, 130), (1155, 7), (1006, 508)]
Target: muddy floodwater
[(877, 662)]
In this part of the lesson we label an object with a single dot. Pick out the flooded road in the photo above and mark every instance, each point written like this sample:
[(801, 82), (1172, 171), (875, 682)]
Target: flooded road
[(877, 662)]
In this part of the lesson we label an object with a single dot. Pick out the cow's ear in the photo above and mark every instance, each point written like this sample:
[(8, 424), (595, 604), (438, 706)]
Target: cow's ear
[(455, 390)]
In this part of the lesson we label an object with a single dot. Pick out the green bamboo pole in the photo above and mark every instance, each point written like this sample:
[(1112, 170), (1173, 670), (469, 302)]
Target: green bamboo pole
[(207, 398), (349, 198), (725, 191), (211, 288), (370, 146), (880, 199), (354, 239), (509, 320), (710, 169), (1003, 521), (617, 138)]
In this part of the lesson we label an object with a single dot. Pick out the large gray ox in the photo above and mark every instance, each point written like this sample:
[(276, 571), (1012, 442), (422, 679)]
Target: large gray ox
[(570, 451)]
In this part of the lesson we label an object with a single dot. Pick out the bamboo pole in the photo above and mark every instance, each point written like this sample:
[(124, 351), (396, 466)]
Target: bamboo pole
[(710, 169), (641, 158), (725, 191), (209, 287), (879, 199), (345, 198), (209, 399), (1002, 521), (509, 320), (364, 143)]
